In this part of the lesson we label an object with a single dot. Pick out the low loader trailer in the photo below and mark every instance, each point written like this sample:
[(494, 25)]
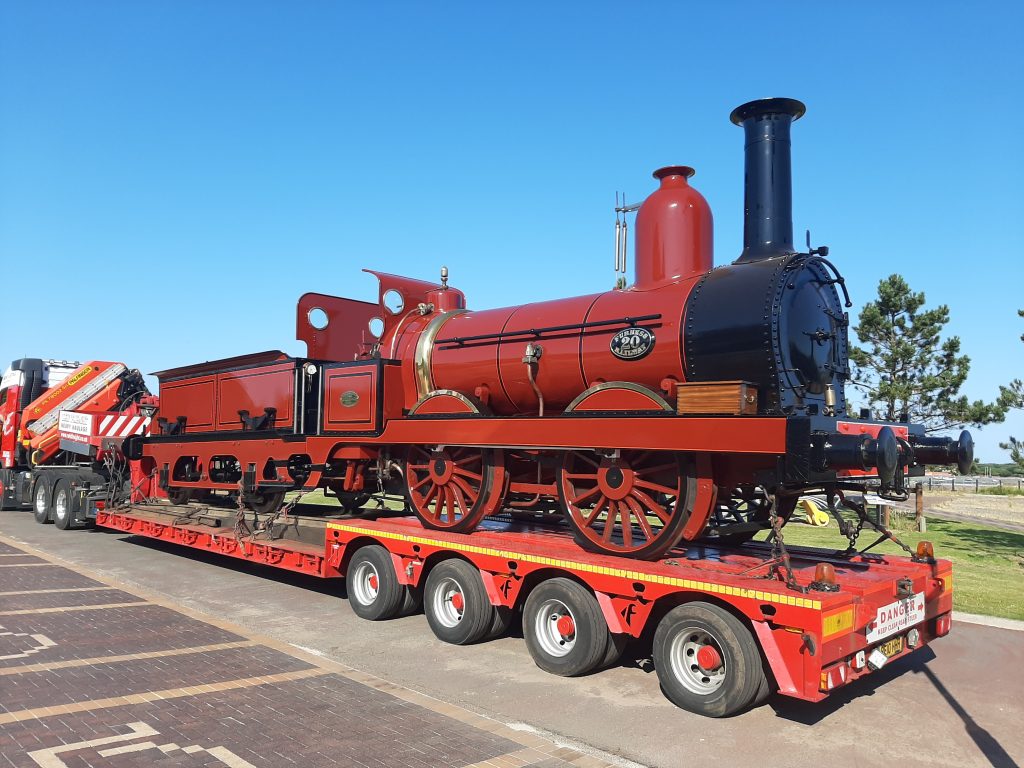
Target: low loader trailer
[(726, 626)]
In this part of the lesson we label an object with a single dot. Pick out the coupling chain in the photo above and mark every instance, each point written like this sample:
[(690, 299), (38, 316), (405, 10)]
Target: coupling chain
[(852, 532)]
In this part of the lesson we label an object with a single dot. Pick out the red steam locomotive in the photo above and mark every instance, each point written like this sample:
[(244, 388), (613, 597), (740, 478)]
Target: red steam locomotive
[(699, 401)]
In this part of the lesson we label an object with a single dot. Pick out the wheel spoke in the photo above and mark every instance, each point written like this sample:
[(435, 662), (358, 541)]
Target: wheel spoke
[(601, 504), (585, 495), (471, 492), (641, 517), (466, 473), (583, 476), (671, 469), (657, 487), (460, 500), (652, 506), (419, 483), (627, 526), (609, 523)]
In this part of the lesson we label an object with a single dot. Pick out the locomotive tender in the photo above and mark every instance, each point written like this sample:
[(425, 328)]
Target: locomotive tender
[(698, 402)]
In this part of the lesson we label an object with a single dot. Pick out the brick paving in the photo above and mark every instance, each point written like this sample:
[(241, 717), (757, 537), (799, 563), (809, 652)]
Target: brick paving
[(87, 681)]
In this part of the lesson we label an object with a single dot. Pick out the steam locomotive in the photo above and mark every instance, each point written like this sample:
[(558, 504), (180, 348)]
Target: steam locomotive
[(697, 402)]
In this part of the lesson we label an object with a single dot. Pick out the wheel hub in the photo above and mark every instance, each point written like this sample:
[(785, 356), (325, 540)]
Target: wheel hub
[(616, 481), (708, 658), (441, 470), (566, 626), (458, 602)]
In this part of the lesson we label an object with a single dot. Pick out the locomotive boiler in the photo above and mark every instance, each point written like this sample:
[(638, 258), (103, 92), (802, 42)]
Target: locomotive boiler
[(697, 402)]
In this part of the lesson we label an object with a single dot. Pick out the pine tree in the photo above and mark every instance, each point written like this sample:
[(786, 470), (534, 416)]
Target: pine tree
[(906, 369), (1012, 396)]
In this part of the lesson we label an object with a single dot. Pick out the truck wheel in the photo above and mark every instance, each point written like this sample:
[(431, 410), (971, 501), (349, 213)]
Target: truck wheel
[(564, 628), (373, 588), (706, 660), (63, 515), (456, 603), (42, 500)]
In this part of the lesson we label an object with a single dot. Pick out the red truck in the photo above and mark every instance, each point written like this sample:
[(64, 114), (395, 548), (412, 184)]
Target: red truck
[(48, 411)]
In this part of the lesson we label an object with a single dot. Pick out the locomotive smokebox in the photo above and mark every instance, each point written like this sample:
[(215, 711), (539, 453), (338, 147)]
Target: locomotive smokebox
[(768, 184), (674, 231)]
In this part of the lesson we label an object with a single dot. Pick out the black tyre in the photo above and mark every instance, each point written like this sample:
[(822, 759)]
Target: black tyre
[(764, 690), (372, 585), (564, 628), (42, 500), (63, 512), (707, 660), (412, 601), (613, 651), (456, 603), (500, 623), (265, 502), (179, 496), (352, 502), (7, 490)]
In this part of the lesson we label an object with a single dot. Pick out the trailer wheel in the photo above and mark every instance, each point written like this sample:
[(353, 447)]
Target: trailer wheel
[(42, 500), (63, 514), (706, 660), (373, 588), (564, 628), (456, 603), (500, 623)]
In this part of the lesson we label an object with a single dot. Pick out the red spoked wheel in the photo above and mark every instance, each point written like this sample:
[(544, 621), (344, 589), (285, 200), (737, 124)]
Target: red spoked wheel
[(635, 505), (450, 488)]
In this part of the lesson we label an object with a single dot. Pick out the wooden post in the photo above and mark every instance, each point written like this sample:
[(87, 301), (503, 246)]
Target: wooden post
[(922, 525), (885, 515)]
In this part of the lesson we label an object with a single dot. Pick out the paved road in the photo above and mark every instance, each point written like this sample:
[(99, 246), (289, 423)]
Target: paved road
[(960, 706), (96, 675)]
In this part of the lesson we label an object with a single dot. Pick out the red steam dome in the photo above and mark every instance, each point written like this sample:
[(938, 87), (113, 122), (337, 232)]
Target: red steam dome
[(674, 231)]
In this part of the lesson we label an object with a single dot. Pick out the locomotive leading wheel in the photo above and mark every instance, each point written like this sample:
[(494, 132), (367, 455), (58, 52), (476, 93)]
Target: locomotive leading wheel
[(265, 502), (450, 487), (635, 505), (744, 512)]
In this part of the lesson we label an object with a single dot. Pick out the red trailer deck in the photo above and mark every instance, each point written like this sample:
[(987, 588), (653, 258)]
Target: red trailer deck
[(725, 633)]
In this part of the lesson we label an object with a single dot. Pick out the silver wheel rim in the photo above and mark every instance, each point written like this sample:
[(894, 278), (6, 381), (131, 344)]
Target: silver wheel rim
[(363, 578), (683, 660), (60, 504), (545, 628), (441, 601), (41, 499)]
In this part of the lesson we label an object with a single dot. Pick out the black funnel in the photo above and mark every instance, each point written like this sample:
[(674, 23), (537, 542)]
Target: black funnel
[(768, 183)]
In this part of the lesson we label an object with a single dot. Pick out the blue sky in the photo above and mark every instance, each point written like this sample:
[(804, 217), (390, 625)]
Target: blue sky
[(173, 175)]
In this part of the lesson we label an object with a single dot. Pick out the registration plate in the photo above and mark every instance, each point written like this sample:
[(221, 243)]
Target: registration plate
[(894, 618), (892, 647)]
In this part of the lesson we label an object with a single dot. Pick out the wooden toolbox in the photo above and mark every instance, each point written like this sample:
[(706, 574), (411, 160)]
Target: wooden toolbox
[(737, 398)]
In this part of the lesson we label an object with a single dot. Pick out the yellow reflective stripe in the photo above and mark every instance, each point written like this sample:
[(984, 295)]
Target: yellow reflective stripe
[(703, 586), (837, 623)]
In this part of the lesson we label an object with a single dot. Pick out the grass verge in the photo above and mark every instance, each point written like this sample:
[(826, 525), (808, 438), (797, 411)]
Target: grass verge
[(988, 563)]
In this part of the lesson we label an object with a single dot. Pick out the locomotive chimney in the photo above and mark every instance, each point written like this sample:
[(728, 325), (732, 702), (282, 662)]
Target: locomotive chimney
[(768, 183), (673, 231)]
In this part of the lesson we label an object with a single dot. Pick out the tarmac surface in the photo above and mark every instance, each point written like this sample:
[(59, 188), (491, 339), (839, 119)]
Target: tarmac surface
[(119, 651)]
